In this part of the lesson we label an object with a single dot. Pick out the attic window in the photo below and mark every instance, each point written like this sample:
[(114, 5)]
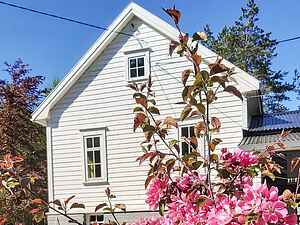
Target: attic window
[(137, 65)]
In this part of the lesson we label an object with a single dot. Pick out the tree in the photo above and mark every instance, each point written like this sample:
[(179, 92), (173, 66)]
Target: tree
[(20, 137), (252, 49)]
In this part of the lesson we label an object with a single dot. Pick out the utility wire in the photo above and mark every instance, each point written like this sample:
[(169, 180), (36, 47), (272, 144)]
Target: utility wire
[(92, 25), (60, 17)]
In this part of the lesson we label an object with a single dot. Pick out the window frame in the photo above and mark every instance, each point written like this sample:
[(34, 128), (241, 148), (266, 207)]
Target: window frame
[(188, 124), (88, 219), (145, 53), (101, 133)]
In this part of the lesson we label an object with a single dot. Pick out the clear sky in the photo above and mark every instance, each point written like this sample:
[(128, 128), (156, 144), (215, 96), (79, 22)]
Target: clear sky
[(51, 47)]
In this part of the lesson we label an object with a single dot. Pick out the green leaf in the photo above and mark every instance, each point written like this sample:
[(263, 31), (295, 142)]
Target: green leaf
[(196, 165), (147, 128), (152, 101), (138, 109), (162, 206), (185, 112), (201, 108), (185, 93), (153, 110)]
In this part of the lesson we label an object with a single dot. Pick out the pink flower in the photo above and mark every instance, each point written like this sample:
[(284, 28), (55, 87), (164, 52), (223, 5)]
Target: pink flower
[(156, 191)]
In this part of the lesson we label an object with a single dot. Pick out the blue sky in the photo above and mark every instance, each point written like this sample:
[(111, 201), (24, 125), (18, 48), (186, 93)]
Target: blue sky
[(52, 46)]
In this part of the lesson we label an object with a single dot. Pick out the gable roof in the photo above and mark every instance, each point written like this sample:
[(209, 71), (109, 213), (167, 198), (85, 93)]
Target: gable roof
[(41, 114)]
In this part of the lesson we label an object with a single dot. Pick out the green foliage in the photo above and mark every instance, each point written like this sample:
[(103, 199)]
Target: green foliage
[(252, 49)]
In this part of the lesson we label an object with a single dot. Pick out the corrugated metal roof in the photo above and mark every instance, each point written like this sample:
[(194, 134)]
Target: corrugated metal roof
[(258, 142), (276, 121)]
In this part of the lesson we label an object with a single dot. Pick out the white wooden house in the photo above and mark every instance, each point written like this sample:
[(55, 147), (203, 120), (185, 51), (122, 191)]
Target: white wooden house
[(88, 116)]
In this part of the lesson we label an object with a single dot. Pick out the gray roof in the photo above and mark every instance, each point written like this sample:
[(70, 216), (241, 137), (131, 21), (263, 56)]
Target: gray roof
[(276, 121), (259, 142)]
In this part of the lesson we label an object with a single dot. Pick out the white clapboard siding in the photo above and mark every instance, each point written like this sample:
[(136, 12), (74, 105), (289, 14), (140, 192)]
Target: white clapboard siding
[(100, 98)]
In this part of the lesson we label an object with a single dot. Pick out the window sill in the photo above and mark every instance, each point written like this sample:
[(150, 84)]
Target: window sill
[(142, 79), (95, 182)]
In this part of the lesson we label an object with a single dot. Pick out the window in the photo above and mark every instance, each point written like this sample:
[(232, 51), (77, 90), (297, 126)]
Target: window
[(94, 143), (138, 64), (95, 219), (137, 67), (188, 132)]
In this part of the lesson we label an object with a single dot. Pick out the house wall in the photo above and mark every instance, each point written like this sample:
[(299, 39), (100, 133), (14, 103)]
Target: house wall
[(100, 98)]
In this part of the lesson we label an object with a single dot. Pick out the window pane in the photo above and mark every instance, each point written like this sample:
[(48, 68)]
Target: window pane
[(100, 218), (98, 170), (141, 61), (92, 218), (97, 157), (185, 148), (132, 63), (133, 73), (90, 157), (141, 71), (96, 142), (89, 142), (192, 134), (91, 173), (184, 132)]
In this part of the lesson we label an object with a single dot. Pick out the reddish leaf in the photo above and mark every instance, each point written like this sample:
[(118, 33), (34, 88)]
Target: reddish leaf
[(200, 129), (185, 112), (37, 201), (146, 156), (284, 133), (100, 206), (217, 67), (216, 123), (170, 122), (138, 120), (69, 199), (174, 14), (196, 59), (233, 90), (185, 75), (140, 99), (173, 45), (133, 86)]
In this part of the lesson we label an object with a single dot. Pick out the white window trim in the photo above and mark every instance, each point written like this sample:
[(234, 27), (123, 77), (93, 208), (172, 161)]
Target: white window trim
[(91, 133), (138, 53), (188, 123)]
